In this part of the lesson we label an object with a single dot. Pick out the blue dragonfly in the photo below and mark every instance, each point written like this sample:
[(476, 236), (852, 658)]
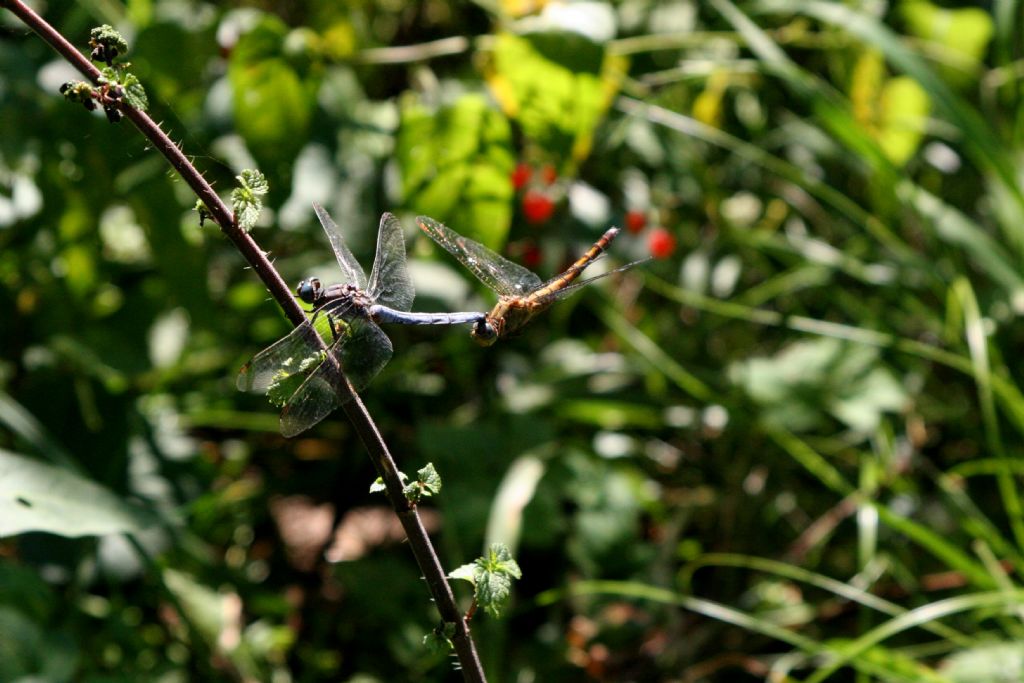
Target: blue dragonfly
[(300, 372)]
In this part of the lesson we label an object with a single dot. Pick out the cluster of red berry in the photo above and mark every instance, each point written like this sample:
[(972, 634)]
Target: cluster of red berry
[(538, 204), (660, 242)]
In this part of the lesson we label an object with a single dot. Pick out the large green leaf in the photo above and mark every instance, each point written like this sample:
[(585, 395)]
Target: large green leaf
[(963, 33), (893, 110), (811, 379), (557, 86), (35, 496), (274, 92), (456, 166)]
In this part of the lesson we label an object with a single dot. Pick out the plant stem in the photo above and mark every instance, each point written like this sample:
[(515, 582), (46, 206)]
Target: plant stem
[(423, 550)]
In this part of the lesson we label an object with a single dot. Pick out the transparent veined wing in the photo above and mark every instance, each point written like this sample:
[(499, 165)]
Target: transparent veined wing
[(314, 400), (363, 350), (495, 271), (350, 268), (290, 355), (390, 283)]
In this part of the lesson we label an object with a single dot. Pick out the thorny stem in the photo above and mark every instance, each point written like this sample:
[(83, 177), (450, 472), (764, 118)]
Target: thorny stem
[(423, 550)]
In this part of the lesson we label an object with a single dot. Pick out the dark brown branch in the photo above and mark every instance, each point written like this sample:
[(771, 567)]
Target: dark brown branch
[(364, 425)]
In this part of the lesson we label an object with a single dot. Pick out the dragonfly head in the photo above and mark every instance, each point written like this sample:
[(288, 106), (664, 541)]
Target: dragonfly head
[(484, 332), (309, 290)]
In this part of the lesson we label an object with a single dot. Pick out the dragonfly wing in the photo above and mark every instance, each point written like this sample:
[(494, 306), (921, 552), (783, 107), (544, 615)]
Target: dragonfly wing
[(294, 352), (314, 400), (365, 352), (390, 283), (280, 360), (350, 268), (495, 271), (362, 352)]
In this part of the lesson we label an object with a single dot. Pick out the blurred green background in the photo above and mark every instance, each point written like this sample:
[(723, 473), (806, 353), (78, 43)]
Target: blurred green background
[(787, 448)]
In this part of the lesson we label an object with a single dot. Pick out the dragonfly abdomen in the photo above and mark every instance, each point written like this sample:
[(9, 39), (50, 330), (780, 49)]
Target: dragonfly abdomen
[(383, 314)]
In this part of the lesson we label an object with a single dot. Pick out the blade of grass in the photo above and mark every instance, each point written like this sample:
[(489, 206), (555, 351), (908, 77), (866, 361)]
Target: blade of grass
[(931, 541), (843, 590), (725, 614), (983, 146), (977, 343), (655, 355), (1010, 397), (849, 654)]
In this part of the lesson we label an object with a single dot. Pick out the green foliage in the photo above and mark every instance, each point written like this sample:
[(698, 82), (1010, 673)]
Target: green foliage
[(428, 483), (247, 198), (825, 377), (456, 164), (491, 576), (273, 92), (439, 641), (557, 86)]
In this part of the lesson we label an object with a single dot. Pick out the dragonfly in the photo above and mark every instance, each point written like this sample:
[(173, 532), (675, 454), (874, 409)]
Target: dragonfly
[(521, 293), (304, 372)]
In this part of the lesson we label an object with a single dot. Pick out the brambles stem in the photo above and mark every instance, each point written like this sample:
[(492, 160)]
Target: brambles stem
[(364, 425)]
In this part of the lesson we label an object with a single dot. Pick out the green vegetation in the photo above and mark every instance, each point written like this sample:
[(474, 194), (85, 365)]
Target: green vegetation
[(787, 448)]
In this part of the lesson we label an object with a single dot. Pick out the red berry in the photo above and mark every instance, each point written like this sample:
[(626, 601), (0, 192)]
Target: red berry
[(548, 174), (635, 220), (521, 175), (537, 206), (661, 243), (531, 256)]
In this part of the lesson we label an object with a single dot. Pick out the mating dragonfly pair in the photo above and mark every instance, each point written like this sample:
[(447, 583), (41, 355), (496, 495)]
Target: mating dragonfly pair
[(303, 371)]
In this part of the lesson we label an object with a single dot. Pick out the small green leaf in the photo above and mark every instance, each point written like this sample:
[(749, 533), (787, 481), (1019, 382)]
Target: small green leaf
[(439, 641), (428, 483), (247, 198), (134, 93), (430, 479), (963, 33), (492, 577), (378, 484), (466, 572)]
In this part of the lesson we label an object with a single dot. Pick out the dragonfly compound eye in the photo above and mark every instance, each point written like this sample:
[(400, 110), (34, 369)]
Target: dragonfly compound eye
[(309, 290), (484, 333)]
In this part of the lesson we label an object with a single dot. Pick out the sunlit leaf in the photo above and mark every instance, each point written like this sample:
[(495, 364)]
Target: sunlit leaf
[(894, 110), (273, 96), (964, 32), (456, 165), (35, 496), (557, 87), (991, 663)]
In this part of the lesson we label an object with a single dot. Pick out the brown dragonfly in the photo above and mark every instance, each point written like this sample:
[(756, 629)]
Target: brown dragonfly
[(521, 293)]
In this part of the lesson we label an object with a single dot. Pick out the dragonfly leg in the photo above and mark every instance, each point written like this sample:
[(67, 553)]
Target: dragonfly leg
[(333, 324)]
